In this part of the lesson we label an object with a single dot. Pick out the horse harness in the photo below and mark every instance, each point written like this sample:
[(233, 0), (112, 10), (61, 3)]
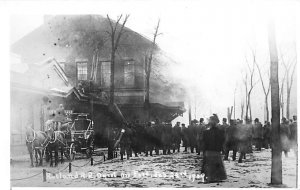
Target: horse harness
[(55, 138), (34, 138)]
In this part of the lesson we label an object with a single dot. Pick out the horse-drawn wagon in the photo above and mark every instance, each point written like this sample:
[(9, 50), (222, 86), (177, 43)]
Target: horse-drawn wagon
[(80, 138)]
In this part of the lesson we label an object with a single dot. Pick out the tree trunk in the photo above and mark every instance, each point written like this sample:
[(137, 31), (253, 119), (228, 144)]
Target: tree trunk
[(110, 148), (147, 97), (267, 107), (288, 99), (234, 107), (250, 113), (242, 111), (112, 79), (276, 170), (282, 110)]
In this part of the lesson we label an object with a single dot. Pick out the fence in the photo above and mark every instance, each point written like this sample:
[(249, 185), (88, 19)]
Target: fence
[(44, 171)]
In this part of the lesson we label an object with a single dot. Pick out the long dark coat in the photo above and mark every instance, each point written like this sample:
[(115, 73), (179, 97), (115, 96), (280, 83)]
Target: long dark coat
[(213, 166)]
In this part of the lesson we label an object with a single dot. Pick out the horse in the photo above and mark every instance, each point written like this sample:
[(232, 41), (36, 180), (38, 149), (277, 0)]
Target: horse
[(57, 142), (36, 141)]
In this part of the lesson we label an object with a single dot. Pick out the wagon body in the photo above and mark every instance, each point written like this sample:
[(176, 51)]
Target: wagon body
[(81, 137)]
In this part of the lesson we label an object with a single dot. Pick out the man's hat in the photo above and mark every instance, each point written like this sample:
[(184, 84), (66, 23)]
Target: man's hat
[(214, 118), (194, 121)]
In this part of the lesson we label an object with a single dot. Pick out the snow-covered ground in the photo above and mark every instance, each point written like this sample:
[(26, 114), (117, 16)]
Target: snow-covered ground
[(175, 170)]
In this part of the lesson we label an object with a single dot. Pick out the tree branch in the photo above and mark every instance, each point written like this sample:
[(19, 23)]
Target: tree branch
[(121, 31)]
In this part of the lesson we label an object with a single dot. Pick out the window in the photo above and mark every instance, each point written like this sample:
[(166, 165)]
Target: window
[(129, 73), (105, 74), (82, 70)]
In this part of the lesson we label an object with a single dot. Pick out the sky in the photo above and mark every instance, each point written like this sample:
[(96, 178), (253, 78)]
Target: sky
[(210, 40)]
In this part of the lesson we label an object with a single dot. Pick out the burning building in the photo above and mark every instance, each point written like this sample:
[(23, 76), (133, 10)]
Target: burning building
[(81, 50)]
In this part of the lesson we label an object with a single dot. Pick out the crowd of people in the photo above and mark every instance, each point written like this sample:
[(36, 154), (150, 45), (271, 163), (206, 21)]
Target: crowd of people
[(236, 136), (211, 139)]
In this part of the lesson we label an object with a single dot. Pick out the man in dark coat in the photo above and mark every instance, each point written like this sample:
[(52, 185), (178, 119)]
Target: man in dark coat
[(192, 134), (185, 137), (258, 134), (231, 140), (284, 136), (158, 128), (244, 135), (166, 138), (293, 135), (150, 141), (176, 137), (267, 135), (213, 166), (139, 139), (199, 136), (223, 128), (126, 142)]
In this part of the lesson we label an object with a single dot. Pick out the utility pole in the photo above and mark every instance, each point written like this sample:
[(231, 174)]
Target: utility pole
[(276, 169)]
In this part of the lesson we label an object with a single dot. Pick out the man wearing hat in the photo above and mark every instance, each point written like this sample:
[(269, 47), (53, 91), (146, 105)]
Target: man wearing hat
[(176, 137), (192, 131), (293, 136), (284, 136), (199, 138), (258, 134), (231, 140), (185, 137), (213, 166)]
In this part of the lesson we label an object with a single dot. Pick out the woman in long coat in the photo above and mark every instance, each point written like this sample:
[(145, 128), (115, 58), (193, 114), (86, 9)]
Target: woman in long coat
[(213, 166)]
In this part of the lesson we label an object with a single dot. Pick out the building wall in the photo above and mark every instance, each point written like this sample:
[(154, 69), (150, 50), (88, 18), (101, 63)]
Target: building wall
[(124, 94), (25, 111)]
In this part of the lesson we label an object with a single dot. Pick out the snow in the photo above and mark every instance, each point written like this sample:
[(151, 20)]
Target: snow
[(174, 170)]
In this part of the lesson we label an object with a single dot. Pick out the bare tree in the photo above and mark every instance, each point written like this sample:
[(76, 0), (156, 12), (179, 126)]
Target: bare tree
[(234, 103), (148, 69), (115, 34), (249, 85), (289, 81), (281, 97), (266, 89), (245, 80), (276, 169), (242, 109)]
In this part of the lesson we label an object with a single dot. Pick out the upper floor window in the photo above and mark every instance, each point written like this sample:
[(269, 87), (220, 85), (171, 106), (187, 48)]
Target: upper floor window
[(82, 70), (105, 73), (129, 73)]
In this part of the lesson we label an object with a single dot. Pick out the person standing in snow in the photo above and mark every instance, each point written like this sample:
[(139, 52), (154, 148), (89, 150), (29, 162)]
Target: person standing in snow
[(213, 166)]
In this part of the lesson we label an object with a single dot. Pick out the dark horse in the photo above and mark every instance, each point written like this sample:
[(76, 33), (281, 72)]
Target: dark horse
[(36, 142), (57, 143)]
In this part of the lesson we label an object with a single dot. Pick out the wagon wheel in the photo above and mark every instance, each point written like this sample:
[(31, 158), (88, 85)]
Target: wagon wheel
[(90, 148), (72, 152)]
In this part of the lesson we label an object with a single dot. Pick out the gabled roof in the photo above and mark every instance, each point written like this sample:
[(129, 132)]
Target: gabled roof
[(46, 41), (52, 37), (56, 66), (32, 79)]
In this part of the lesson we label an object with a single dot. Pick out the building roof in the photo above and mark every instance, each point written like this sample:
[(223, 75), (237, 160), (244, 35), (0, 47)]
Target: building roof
[(46, 77), (62, 35)]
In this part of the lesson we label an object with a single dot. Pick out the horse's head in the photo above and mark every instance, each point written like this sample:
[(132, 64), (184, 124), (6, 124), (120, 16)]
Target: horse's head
[(29, 130)]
